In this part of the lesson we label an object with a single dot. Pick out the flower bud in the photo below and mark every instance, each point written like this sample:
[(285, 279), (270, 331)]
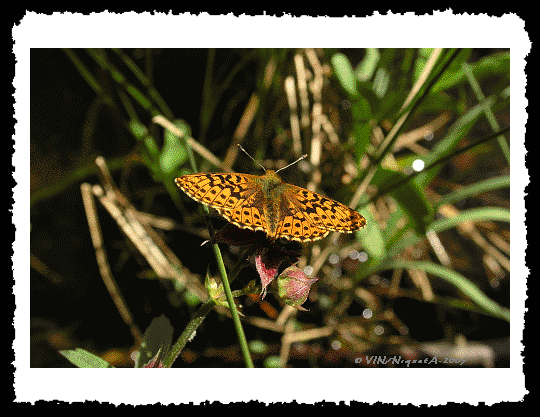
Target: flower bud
[(293, 286)]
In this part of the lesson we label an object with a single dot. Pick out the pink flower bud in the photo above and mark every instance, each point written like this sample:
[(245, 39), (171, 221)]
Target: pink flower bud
[(293, 286)]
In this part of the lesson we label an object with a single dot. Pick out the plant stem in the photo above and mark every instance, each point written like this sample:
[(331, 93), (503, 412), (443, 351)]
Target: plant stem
[(192, 326), (236, 319)]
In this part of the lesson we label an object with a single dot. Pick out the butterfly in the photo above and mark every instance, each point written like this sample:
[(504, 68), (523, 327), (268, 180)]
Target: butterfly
[(268, 204)]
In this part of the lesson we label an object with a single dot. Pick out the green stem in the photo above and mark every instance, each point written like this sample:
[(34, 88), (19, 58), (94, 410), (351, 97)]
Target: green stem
[(188, 333), (236, 319), (192, 326)]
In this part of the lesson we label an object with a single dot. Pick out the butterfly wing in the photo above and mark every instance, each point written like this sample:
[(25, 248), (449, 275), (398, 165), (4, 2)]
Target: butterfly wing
[(311, 216), (234, 196)]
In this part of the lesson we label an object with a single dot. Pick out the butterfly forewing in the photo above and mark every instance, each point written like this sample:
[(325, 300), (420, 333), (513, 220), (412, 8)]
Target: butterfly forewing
[(217, 190), (232, 195)]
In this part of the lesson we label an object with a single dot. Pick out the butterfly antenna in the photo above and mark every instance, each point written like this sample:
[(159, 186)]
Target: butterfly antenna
[(257, 162), (299, 159)]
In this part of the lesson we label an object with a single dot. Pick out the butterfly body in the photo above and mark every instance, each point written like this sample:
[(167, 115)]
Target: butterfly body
[(268, 204)]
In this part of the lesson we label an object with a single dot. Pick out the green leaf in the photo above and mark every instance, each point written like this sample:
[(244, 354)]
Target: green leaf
[(452, 74), (372, 238), (173, 153), (258, 347), (474, 189), (366, 68), (395, 230), (440, 225), (455, 134), (272, 362), (361, 128), (390, 105), (473, 215), (495, 64), (344, 72), (457, 280), (138, 129), (381, 82), (84, 359), (157, 339), (408, 195)]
